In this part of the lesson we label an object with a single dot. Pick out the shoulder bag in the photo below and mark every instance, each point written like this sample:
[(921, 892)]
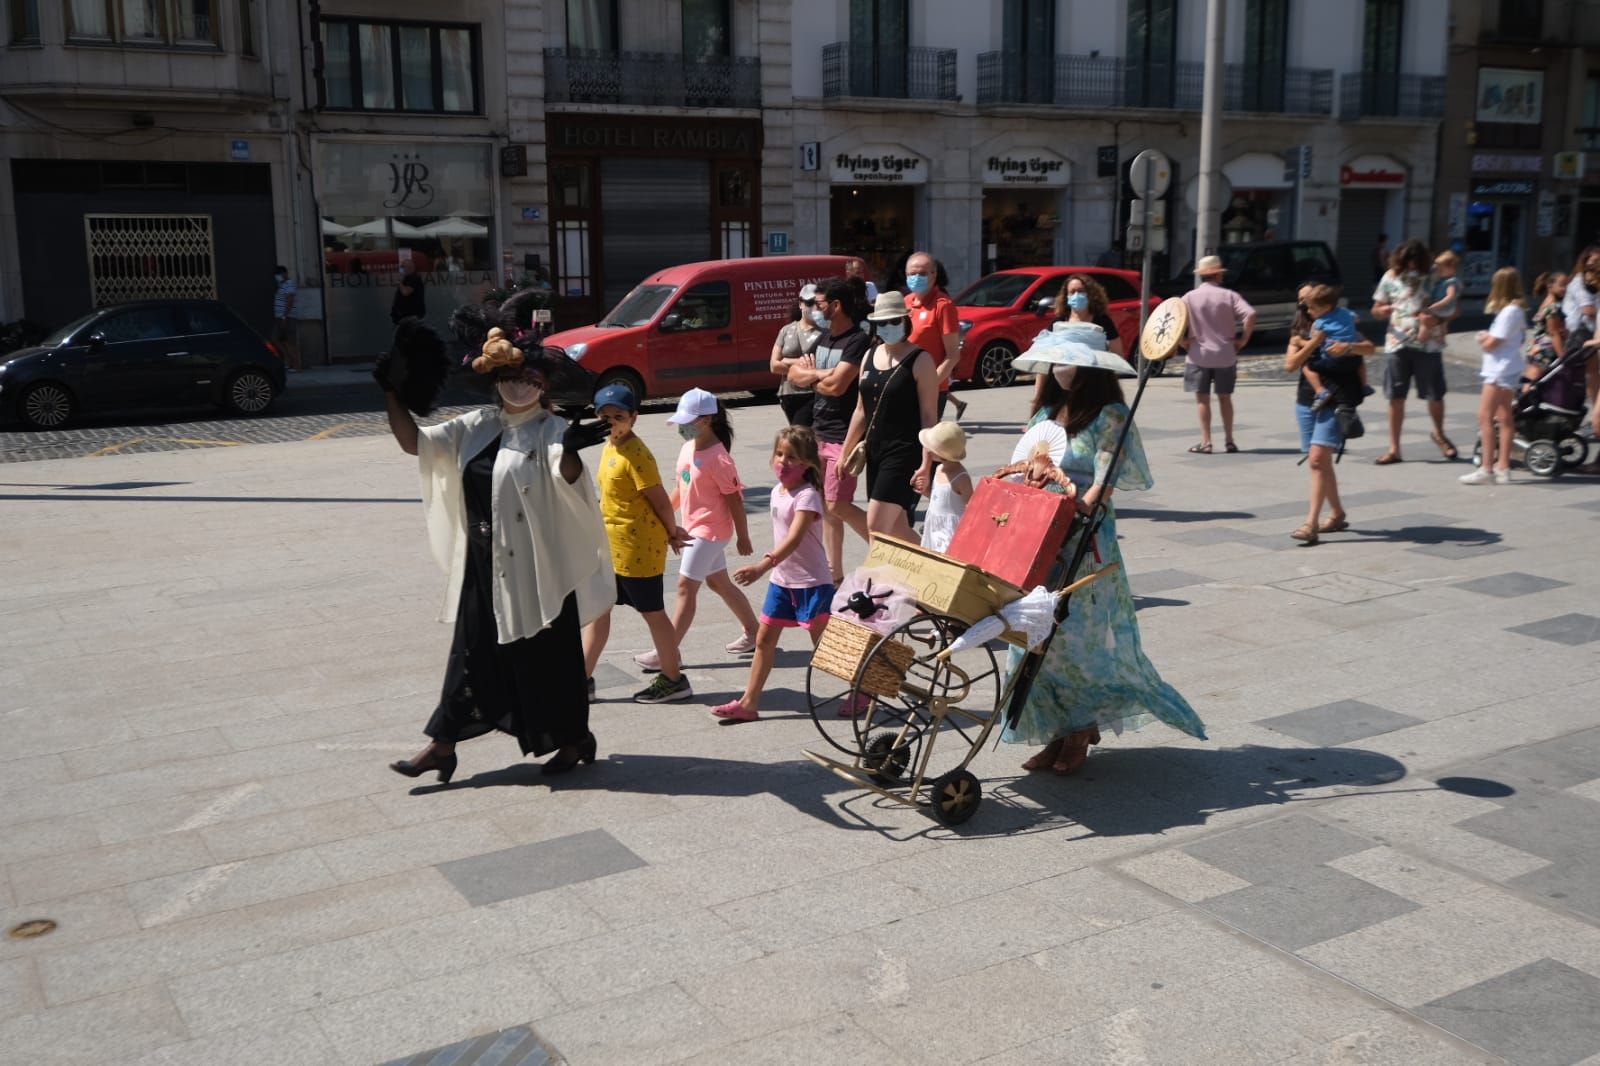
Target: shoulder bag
[(856, 460)]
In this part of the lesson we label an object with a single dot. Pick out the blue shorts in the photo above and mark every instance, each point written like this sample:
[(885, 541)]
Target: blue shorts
[(787, 608), (1318, 427)]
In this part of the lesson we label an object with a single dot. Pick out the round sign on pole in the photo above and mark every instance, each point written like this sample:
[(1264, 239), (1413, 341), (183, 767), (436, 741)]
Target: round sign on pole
[(1166, 327), (1151, 173)]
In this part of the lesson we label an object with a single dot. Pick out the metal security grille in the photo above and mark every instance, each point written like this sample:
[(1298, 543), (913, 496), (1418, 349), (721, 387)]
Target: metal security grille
[(150, 257)]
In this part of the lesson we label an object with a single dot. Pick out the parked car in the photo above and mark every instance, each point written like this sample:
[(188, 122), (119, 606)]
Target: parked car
[(1269, 275), (169, 353), (1002, 312), (700, 325)]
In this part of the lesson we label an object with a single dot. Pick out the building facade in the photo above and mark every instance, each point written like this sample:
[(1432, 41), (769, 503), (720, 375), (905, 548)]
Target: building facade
[(586, 143), (1520, 153)]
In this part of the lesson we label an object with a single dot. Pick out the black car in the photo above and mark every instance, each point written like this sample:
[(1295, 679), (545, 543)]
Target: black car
[(168, 354), (1268, 274)]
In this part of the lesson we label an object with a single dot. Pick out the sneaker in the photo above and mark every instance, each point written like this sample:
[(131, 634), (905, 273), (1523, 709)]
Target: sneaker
[(734, 712), (665, 690), (743, 646), (1480, 476), (1502, 477), (648, 661)]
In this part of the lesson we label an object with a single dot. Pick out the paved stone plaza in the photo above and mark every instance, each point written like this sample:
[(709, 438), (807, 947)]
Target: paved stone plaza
[(1387, 852)]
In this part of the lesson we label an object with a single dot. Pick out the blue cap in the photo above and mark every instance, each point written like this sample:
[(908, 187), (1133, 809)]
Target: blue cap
[(616, 396)]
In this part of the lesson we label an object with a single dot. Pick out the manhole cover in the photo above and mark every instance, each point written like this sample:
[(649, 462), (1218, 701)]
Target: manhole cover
[(30, 929)]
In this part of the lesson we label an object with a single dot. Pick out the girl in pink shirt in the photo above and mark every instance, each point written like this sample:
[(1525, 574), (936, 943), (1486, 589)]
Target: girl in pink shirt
[(708, 491), (800, 592)]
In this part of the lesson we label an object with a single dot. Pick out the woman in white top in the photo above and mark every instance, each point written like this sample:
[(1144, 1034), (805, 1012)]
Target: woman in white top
[(1503, 364)]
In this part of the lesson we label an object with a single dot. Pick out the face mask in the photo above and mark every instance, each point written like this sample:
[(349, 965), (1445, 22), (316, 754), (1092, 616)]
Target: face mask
[(819, 318), (1078, 301), (891, 332), (789, 474), (689, 432), (918, 283), (280, 278), (517, 393)]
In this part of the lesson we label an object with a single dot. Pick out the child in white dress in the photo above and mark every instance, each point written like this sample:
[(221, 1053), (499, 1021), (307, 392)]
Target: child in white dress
[(950, 488)]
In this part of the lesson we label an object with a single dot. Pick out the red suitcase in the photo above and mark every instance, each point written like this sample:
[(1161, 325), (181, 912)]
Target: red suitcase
[(1013, 531)]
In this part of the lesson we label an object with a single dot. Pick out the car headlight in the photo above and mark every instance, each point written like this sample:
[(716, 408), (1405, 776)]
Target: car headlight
[(575, 351)]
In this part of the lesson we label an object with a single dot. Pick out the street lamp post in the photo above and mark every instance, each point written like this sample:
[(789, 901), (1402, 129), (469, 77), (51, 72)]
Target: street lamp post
[(1208, 224)]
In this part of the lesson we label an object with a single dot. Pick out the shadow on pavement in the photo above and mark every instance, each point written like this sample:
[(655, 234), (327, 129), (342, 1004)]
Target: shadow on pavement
[(1428, 535), (1159, 515)]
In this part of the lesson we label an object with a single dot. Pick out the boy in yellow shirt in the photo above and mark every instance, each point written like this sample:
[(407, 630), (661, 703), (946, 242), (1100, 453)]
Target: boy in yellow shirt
[(641, 527)]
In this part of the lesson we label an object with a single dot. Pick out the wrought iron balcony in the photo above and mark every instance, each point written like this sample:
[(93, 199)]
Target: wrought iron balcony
[(578, 76), (1094, 82), (1367, 95), (850, 69)]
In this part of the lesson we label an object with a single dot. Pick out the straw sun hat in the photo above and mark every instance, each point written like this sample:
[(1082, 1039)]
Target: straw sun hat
[(947, 440)]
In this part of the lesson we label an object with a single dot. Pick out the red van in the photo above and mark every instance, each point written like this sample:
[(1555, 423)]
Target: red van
[(700, 325), (1002, 312)]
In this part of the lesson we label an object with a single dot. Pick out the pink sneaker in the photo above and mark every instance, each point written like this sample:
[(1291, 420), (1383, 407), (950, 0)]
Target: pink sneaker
[(735, 712), (648, 661), (855, 706), (743, 646)]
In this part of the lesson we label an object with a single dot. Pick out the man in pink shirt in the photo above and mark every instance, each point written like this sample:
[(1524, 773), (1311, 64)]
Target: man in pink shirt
[(1220, 323)]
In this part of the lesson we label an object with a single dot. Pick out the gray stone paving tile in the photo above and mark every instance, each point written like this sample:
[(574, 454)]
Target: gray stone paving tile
[(1461, 549), (1333, 724), (607, 676), (1574, 884), (1572, 630), (1338, 587), (1306, 906), (1155, 581), (1552, 825), (1409, 520), (539, 866), (1586, 505), (1211, 535), (1553, 764), (1541, 1014), (1283, 845), (1510, 584)]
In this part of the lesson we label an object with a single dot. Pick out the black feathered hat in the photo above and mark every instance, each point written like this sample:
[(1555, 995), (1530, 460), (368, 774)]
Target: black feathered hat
[(415, 366)]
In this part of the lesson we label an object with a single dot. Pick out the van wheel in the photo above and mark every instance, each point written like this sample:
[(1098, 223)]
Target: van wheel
[(993, 369), (622, 376)]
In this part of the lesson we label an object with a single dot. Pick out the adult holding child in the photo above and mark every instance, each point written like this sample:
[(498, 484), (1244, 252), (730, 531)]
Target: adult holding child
[(1412, 351)]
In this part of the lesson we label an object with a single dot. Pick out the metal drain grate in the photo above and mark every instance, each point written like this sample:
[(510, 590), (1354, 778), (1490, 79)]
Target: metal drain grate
[(519, 1046)]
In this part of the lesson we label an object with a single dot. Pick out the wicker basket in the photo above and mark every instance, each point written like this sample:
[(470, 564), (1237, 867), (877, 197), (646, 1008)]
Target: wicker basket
[(845, 645)]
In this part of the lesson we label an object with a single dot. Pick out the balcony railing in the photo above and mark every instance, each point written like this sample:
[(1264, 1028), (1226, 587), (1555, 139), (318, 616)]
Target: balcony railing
[(1368, 95), (1095, 82), (850, 69), (576, 76)]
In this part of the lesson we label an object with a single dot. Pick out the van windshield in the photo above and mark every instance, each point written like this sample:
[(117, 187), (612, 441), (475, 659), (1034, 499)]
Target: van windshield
[(638, 307)]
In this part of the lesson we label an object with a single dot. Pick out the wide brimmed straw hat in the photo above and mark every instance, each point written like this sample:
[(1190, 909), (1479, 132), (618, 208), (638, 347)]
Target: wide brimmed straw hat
[(1209, 265), (1071, 344), (947, 440), (890, 307)]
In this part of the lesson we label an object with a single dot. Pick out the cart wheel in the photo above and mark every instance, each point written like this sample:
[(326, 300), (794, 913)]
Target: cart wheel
[(884, 761), (1477, 452), (955, 797), (1542, 458), (1574, 450)]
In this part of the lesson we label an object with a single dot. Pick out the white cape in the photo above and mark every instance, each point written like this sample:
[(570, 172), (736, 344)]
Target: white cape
[(549, 540)]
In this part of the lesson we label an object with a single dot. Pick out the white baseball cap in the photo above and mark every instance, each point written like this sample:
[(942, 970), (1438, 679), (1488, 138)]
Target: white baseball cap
[(696, 403), (808, 292)]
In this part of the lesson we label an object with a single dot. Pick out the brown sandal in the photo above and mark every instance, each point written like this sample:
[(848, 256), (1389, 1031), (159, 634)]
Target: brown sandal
[(1306, 534), (1388, 458), (1446, 449), (1335, 525)]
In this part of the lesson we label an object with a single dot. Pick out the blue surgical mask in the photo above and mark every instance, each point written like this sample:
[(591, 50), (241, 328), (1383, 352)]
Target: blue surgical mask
[(1078, 300), (820, 319), (891, 332), (918, 283), (689, 432)]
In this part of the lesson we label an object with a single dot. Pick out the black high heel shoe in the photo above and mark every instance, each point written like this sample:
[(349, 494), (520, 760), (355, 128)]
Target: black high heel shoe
[(445, 764), (558, 765)]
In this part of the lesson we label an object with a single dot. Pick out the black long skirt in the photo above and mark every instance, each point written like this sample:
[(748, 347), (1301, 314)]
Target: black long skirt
[(533, 688)]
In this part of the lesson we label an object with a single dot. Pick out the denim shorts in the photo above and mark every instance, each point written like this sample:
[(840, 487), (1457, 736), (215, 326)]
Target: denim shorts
[(1318, 427), (788, 608)]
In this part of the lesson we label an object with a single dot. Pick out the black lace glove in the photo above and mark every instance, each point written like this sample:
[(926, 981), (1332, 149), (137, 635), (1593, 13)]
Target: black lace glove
[(581, 435)]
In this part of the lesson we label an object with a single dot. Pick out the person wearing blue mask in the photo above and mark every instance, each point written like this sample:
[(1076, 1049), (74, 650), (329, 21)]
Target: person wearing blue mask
[(1083, 299), (935, 323)]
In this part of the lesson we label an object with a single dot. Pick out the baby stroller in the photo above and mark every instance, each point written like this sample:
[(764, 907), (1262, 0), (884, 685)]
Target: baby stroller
[(1546, 415)]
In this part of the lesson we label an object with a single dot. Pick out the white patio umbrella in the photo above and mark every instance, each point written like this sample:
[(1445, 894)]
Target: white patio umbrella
[(330, 228), (379, 227), (454, 227)]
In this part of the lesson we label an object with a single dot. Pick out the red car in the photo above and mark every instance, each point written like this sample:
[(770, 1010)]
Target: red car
[(1002, 313)]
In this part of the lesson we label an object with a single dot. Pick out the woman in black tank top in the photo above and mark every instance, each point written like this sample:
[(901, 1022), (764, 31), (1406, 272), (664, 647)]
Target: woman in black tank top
[(899, 398)]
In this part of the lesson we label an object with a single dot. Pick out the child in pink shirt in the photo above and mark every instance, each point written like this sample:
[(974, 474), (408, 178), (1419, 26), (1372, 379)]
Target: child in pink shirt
[(800, 592), (708, 491)]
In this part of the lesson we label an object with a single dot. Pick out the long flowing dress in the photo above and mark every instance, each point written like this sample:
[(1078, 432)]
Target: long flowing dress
[(1095, 673)]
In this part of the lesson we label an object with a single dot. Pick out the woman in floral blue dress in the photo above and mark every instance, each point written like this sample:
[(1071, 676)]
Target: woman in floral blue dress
[(1095, 673)]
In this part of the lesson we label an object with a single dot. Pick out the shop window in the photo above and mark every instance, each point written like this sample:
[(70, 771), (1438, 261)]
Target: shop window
[(592, 25), (150, 257), (1508, 135), (1266, 46), (1019, 229), (733, 188), (1152, 52), (390, 66), (708, 306), (24, 21), (706, 26)]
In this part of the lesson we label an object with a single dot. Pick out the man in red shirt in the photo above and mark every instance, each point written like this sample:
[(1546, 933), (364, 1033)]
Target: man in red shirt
[(935, 325)]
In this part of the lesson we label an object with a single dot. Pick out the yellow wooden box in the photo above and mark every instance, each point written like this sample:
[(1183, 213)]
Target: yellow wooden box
[(942, 584)]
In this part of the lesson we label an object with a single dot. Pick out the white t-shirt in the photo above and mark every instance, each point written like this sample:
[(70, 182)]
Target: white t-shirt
[(1503, 364)]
